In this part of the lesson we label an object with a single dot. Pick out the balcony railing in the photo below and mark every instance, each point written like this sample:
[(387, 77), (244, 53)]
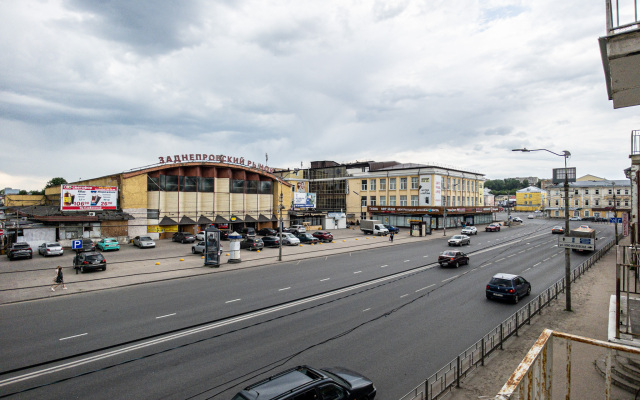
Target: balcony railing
[(622, 16), (635, 143)]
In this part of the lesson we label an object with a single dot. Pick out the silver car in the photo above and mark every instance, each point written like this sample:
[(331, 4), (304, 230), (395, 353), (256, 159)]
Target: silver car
[(50, 249), (459, 240), (198, 247), (290, 239), (143, 242)]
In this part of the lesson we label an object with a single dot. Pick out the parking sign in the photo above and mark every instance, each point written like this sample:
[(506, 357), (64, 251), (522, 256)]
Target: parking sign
[(76, 244)]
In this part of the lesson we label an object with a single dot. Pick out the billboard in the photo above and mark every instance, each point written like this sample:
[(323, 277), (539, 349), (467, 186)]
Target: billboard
[(81, 198), (304, 200), (424, 198), (437, 191)]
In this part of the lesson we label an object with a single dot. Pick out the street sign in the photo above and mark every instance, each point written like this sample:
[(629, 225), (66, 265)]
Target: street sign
[(577, 243), (76, 244), (615, 220), (1, 232)]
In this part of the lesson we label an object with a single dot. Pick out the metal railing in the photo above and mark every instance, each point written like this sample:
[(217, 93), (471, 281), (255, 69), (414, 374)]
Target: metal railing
[(635, 143), (450, 375), (622, 17)]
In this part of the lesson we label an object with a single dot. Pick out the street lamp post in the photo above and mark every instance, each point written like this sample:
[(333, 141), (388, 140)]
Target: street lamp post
[(567, 254), (615, 210), (444, 223), (280, 208)]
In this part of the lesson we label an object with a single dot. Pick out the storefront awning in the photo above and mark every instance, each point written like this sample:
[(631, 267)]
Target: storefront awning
[(186, 221), (204, 220), (220, 220), (274, 218), (249, 218), (262, 218), (166, 221)]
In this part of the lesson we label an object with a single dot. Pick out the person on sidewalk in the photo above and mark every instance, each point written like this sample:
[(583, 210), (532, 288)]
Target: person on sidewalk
[(391, 237), (58, 280)]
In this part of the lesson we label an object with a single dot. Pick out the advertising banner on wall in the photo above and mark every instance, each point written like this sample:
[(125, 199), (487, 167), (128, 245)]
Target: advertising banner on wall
[(437, 195), (304, 200), (424, 199), (82, 198)]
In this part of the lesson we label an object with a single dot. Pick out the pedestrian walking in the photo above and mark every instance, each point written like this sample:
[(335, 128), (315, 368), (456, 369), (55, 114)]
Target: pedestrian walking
[(391, 237), (58, 280)]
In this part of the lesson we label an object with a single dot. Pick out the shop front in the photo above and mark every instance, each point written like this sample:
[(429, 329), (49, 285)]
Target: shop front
[(436, 217)]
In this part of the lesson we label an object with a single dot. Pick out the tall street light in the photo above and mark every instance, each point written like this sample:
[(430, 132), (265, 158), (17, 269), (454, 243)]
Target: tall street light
[(567, 254), (444, 225), (280, 208)]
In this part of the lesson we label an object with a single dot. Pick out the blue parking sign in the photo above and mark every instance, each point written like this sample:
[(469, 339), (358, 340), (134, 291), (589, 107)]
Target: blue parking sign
[(76, 244)]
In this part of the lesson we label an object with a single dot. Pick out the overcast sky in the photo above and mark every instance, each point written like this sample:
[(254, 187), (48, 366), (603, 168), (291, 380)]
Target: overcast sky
[(94, 87)]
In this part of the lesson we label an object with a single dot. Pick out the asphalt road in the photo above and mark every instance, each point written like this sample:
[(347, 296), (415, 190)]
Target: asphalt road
[(233, 328)]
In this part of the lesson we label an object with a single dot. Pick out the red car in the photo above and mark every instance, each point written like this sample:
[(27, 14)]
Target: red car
[(323, 236), (492, 228), (453, 258)]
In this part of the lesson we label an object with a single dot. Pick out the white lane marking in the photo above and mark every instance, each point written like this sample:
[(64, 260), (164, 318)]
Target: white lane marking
[(406, 260), (500, 259), (74, 336), (384, 266), (511, 256), (535, 265), (520, 252), (489, 263), (404, 295), (526, 269), (366, 309), (426, 256), (546, 259), (325, 279), (554, 255), (448, 279), (169, 315), (232, 301), (426, 287), (473, 269), (357, 272), (287, 288)]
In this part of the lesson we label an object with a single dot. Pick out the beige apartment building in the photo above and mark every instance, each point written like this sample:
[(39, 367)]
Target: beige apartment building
[(591, 196)]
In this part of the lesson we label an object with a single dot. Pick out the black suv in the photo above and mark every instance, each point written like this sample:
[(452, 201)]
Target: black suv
[(183, 237), (267, 232), (306, 383), (248, 232), (89, 261), (20, 250)]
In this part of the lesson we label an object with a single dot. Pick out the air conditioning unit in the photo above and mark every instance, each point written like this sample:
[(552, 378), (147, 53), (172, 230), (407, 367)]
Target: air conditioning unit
[(92, 214)]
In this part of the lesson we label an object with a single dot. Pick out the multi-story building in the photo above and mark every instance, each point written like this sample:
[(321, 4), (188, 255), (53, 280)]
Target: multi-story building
[(530, 199), (591, 198)]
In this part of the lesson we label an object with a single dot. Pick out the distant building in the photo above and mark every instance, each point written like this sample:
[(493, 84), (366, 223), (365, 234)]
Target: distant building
[(489, 199), (531, 198), (591, 198)]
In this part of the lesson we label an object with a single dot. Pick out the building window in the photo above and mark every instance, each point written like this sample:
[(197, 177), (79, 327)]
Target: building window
[(626, 203), (598, 192), (363, 185), (383, 184), (586, 213), (207, 184), (237, 186), (372, 201), (414, 200), (265, 187), (610, 191), (153, 184), (597, 202), (171, 182), (383, 200), (586, 202), (363, 201), (576, 191), (392, 200), (403, 200), (557, 213), (427, 200), (392, 183), (586, 191), (372, 184), (403, 183), (610, 202), (617, 191), (576, 202), (626, 191), (458, 200), (617, 203), (414, 183), (557, 201)]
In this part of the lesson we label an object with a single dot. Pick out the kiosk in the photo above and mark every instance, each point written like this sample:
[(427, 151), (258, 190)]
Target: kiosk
[(212, 247), (234, 247)]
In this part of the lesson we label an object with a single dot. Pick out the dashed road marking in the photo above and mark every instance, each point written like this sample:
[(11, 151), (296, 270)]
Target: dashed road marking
[(74, 336), (325, 279), (366, 309), (384, 266), (357, 272), (287, 288), (426, 287), (169, 315), (453, 277)]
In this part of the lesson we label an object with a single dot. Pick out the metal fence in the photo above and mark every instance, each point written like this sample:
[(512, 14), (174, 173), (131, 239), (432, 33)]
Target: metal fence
[(622, 16), (450, 375)]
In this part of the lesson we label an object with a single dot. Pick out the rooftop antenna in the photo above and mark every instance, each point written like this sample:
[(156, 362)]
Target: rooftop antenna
[(266, 156)]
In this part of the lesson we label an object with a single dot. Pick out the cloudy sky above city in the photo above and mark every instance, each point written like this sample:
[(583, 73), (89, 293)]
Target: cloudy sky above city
[(92, 87)]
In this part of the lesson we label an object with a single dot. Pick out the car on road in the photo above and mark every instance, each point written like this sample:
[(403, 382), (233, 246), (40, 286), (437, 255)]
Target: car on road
[(392, 229), (252, 243), (89, 261), (530, 216), (469, 230), (50, 249), (557, 229), (290, 239), (306, 383), (585, 227), (575, 219), (183, 237), (492, 228), (453, 258), (307, 238), (198, 247), (508, 287), (267, 232), (271, 241), (517, 219), (143, 242), (459, 240), (323, 236), (108, 244), (20, 250)]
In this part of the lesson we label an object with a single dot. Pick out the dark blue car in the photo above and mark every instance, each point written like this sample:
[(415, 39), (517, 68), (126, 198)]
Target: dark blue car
[(508, 287), (392, 229)]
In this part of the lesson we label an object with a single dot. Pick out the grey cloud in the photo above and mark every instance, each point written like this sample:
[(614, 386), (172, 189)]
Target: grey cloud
[(499, 131)]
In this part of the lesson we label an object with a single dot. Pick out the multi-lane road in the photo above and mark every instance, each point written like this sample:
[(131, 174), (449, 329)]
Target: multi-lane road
[(390, 313)]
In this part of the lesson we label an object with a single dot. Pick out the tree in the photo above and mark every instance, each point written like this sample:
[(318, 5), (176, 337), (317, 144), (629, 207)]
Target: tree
[(23, 192), (41, 192), (56, 182)]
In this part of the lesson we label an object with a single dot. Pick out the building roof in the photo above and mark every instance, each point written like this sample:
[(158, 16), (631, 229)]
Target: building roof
[(593, 184), (530, 189), (53, 214)]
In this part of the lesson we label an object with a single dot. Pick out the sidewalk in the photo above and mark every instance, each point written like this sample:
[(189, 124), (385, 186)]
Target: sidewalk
[(590, 300)]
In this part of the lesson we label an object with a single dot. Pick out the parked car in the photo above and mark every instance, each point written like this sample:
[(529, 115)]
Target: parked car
[(198, 247), (297, 229), (183, 237), (392, 229), (557, 229), (20, 250), (271, 241), (50, 249), (89, 261), (508, 287), (459, 240), (224, 235), (530, 216), (492, 228), (517, 219), (267, 232), (108, 244), (453, 258), (307, 238), (600, 219), (200, 235), (143, 242), (323, 236), (248, 232), (469, 230), (575, 219), (87, 245), (290, 239), (252, 243), (589, 219), (304, 382)]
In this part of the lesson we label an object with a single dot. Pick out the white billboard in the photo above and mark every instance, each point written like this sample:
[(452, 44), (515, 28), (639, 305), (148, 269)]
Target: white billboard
[(437, 190), (304, 200), (81, 198), (425, 192)]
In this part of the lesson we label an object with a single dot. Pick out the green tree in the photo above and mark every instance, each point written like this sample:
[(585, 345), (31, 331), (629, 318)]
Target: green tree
[(23, 192), (37, 192), (56, 182)]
